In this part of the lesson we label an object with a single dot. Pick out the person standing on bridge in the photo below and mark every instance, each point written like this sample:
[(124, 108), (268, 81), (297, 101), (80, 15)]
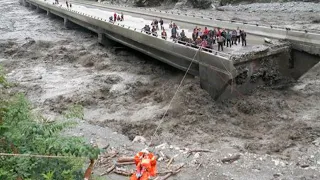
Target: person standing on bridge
[(220, 42), (67, 4), (195, 34), (244, 38), (229, 36), (164, 34), (115, 17), (200, 33), (122, 17), (238, 35), (174, 31), (205, 33), (224, 34), (171, 25), (156, 24), (234, 37), (161, 23)]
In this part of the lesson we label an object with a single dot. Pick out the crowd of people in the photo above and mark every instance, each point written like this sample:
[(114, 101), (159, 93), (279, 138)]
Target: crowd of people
[(206, 38), (68, 4), (116, 17)]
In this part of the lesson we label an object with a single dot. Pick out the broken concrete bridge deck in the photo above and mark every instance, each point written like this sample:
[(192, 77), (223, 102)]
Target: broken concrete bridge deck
[(215, 69)]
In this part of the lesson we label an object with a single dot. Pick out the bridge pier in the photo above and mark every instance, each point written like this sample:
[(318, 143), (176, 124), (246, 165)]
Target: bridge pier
[(214, 81), (25, 3), (66, 22), (32, 6), (49, 14), (38, 9), (102, 39)]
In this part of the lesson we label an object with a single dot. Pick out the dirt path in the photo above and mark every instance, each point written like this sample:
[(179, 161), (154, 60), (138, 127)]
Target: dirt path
[(276, 131)]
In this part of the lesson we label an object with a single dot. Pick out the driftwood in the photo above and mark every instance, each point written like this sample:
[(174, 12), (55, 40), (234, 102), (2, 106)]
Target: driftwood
[(200, 150), (231, 159), (111, 168), (177, 170), (124, 163), (105, 165), (113, 155), (122, 172), (108, 170), (170, 161), (198, 166), (125, 159), (170, 174)]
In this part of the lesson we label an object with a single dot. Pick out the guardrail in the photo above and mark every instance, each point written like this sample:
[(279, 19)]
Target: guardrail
[(182, 43), (222, 20), (295, 35)]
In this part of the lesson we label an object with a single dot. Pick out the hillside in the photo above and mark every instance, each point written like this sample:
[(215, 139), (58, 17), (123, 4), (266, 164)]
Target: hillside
[(203, 4)]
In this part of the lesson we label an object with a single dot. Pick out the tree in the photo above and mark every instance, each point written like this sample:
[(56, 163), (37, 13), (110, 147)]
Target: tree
[(24, 133)]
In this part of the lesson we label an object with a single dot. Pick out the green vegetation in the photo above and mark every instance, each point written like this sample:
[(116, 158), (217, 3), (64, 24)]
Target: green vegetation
[(21, 132)]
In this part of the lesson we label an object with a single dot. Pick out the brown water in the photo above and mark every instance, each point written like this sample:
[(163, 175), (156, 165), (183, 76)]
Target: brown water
[(126, 92)]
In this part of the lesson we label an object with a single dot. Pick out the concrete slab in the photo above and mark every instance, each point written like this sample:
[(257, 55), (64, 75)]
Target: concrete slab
[(138, 22)]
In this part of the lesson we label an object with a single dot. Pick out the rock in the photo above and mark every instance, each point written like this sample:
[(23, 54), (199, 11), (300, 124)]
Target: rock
[(276, 175), (316, 142), (162, 146), (267, 40), (196, 155), (304, 165), (139, 139), (283, 116)]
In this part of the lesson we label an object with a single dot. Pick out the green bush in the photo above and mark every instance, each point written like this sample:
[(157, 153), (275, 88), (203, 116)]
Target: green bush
[(22, 132), (3, 80)]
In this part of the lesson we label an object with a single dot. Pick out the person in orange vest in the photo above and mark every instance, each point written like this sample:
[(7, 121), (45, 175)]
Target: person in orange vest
[(145, 165)]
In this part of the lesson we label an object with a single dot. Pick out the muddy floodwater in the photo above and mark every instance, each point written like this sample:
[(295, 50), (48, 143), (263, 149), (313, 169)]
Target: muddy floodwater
[(124, 94)]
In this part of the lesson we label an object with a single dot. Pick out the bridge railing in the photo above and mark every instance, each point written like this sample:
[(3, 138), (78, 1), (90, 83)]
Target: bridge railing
[(141, 30), (227, 20)]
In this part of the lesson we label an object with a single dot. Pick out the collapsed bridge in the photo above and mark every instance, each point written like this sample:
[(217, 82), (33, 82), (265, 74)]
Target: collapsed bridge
[(218, 71)]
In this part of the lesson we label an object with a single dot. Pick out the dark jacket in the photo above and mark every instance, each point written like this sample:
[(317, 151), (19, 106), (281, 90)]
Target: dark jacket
[(194, 36), (174, 31), (243, 35), (224, 34)]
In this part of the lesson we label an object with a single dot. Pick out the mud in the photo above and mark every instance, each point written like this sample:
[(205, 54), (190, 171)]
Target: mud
[(124, 94)]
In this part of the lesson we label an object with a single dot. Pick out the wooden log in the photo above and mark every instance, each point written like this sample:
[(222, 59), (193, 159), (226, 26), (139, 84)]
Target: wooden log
[(124, 163), (200, 150), (170, 174), (177, 170), (122, 172), (108, 170), (170, 161), (125, 159), (87, 173)]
